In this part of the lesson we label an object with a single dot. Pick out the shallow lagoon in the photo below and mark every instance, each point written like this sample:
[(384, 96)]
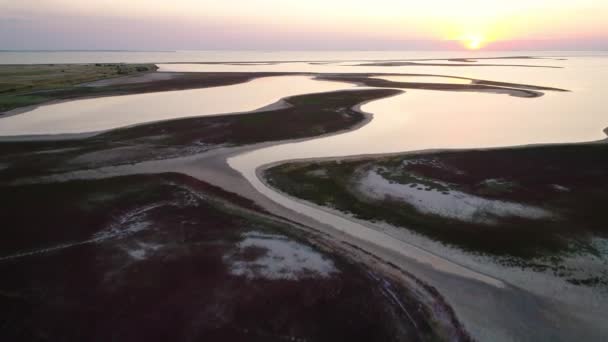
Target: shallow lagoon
[(104, 113)]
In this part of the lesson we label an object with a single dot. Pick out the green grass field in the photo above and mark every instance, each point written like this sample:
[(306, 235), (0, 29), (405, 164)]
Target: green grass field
[(23, 85)]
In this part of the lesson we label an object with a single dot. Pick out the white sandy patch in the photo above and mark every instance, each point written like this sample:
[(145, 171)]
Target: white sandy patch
[(453, 204), (560, 188), (143, 250), (280, 258)]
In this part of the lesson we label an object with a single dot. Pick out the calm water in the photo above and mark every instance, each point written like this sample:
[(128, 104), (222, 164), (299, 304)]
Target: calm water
[(99, 114), (572, 74), (415, 120), (44, 57), (421, 119)]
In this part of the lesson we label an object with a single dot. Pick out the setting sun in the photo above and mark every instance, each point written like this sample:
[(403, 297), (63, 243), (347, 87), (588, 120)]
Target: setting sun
[(473, 43)]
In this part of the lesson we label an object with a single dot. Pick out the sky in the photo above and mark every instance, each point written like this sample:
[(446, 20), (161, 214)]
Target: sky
[(304, 24)]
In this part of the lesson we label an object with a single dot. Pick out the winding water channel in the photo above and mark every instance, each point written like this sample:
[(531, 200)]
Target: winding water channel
[(105, 113)]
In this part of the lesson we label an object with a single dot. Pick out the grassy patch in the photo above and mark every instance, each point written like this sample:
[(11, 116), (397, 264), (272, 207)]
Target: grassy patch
[(566, 180), (19, 79), (11, 101), (23, 85)]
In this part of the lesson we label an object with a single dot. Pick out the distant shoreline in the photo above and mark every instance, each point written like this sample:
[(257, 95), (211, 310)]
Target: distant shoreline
[(27, 51)]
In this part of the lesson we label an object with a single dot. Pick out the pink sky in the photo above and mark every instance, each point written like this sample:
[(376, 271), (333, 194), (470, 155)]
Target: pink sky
[(312, 24)]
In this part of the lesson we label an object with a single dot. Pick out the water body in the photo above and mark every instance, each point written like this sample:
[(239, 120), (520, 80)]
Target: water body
[(574, 74), (423, 119), (104, 113), (45, 57)]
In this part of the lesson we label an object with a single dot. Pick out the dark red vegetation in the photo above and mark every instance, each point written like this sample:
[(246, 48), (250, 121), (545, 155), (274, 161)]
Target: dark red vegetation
[(143, 258)]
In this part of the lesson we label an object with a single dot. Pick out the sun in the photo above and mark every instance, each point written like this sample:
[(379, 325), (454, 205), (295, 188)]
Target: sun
[(473, 42)]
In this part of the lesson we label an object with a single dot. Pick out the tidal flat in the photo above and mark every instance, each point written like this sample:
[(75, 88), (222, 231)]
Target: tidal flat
[(185, 197)]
